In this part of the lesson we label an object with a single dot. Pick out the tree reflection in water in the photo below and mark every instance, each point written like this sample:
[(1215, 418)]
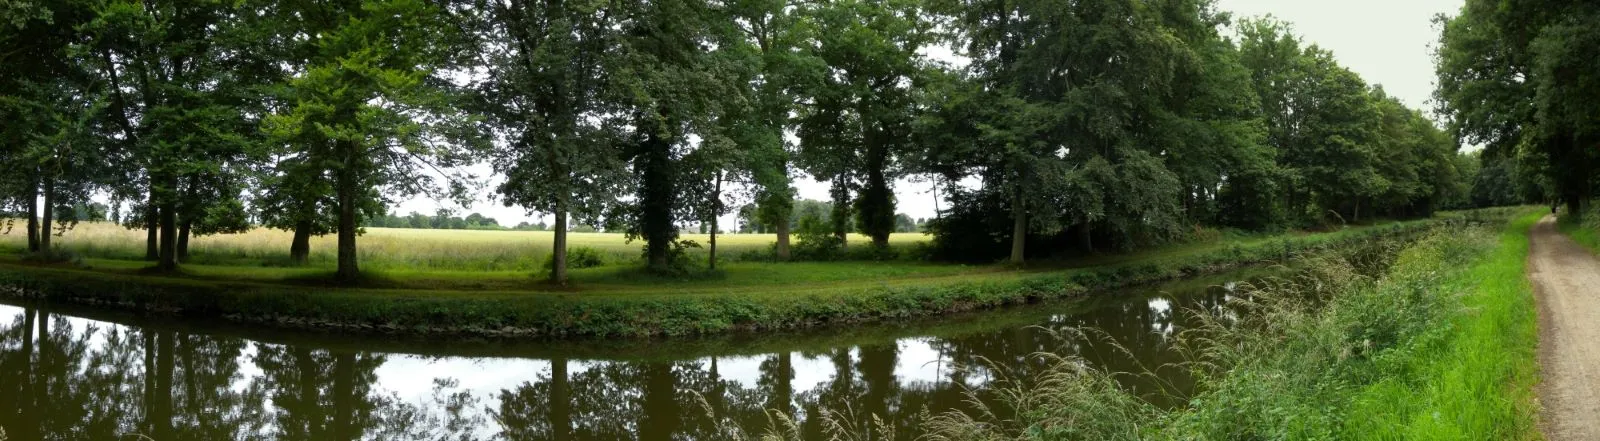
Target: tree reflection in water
[(72, 378)]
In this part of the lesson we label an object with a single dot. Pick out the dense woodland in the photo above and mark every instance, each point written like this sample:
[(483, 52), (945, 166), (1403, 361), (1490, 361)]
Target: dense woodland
[(1087, 125)]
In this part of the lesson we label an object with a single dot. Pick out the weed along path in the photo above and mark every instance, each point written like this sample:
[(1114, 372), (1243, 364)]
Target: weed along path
[(1566, 277)]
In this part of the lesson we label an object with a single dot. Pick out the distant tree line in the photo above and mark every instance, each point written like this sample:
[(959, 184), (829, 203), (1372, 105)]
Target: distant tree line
[(442, 220), (750, 221), (1085, 125)]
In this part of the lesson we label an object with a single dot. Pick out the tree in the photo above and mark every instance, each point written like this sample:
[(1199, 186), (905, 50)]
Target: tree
[(673, 89), (562, 155), (773, 34), (904, 223), (1063, 147), (45, 95), (1321, 119), (859, 105), (371, 106), (173, 74)]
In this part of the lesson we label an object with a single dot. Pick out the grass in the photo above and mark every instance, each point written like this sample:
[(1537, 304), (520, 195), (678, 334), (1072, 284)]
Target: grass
[(508, 261), (393, 249), (1473, 376), (831, 294), (622, 301), (1440, 348)]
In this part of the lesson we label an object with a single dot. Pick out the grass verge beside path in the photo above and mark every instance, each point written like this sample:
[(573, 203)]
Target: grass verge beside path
[(688, 308), (1472, 378), (1443, 347)]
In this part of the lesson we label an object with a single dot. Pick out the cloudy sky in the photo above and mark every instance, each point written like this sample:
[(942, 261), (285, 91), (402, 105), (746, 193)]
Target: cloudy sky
[(1387, 42)]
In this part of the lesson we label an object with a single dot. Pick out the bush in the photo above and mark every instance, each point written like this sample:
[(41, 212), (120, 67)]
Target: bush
[(578, 258), (815, 241)]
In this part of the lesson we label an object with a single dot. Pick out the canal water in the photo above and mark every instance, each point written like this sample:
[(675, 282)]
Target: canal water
[(80, 374)]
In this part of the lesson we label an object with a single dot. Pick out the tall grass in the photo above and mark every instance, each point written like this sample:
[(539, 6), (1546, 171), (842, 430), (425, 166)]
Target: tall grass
[(397, 249), (1441, 347)]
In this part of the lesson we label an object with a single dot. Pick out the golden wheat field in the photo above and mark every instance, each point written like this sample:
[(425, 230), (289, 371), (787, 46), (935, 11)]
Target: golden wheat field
[(389, 248)]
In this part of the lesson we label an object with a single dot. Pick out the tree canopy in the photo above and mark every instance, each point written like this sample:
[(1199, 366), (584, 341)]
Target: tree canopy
[(1074, 126)]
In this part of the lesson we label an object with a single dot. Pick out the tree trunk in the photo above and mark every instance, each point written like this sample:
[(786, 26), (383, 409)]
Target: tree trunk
[(300, 246), (348, 270), (558, 263), (152, 250), (783, 240), (33, 215), (49, 214), (657, 199), (183, 240), (1086, 237), (840, 218), (1019, 226), (877, 210), (716, 211), (169, 229)]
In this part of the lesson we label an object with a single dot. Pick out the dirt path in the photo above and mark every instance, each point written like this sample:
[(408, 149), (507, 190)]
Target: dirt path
[(1567, 279)]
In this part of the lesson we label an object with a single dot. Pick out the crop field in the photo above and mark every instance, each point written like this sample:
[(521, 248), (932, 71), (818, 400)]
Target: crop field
[(394, 249)]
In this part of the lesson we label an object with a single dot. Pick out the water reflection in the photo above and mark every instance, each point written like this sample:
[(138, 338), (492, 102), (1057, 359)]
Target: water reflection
[(67, 377)]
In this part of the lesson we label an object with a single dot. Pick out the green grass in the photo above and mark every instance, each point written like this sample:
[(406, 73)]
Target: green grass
[(776, 297), (1442, 347), (1585, 232), (623, 301), (441, 275), (1471, 378)]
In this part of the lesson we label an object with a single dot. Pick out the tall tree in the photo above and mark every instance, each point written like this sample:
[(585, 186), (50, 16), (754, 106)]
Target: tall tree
[(1321, 119), (859, 104), (169, 69), (371, 105), (561, 154), (773, 31), (666, 84), (50, 142), (1065, 133)]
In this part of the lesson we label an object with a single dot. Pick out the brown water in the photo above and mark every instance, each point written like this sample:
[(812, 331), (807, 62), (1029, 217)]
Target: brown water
[(77, 374)]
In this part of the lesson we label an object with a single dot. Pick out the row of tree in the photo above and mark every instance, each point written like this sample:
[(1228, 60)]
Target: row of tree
[(1087, 123), (442, 220), (1520, 77)]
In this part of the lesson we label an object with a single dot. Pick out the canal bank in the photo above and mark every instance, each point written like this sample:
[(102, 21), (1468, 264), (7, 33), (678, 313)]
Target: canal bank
[(621, 314)]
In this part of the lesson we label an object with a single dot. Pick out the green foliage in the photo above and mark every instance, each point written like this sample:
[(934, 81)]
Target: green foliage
[(817, 239), (580, 258), (1519, 78)]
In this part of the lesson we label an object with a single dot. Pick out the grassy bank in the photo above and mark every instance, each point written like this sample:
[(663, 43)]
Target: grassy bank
[(1442, 347), (654, 307)]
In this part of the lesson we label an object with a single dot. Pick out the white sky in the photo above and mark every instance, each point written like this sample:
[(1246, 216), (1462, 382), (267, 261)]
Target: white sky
[(1388, 42)]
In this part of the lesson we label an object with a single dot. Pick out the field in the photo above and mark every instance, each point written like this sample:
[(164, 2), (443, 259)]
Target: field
[(390, 249)]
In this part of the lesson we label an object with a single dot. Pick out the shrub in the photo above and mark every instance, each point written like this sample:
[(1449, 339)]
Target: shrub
[(578, 258)]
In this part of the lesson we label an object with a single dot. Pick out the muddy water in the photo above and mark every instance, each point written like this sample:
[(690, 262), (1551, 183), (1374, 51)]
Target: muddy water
[(78, 374)]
